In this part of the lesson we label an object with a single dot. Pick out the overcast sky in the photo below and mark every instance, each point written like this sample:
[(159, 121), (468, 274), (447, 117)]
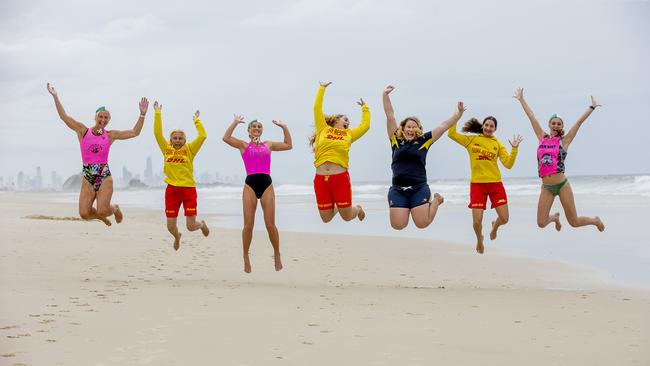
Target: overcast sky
[(263, 59)]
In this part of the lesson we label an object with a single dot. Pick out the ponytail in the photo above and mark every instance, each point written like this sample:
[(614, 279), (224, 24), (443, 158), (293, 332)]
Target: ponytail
[(473, 126)]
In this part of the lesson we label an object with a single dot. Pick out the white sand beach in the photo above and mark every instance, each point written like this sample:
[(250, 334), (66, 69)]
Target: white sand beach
[(81, 293)]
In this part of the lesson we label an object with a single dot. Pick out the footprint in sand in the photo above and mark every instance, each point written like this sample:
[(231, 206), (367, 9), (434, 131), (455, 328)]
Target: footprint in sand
[(9, 327), (46, 321), (8, 355)]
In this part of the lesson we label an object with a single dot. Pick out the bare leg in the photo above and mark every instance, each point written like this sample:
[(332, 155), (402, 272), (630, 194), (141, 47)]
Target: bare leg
[(566, 198), (87, 197), (423, 215), (502, 219), (104, 207), (544, 205), (399, 217), (173, 229), (268, 206), (193, 225), (477, 223), (352, 212), (328, 215), (249, 201)]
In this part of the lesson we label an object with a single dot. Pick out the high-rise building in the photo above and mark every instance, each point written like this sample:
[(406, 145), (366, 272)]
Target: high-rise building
[(148, 172), (21, 181), (38, 179), (126, 176)]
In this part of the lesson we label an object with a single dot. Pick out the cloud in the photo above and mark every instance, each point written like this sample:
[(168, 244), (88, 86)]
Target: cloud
[(335, 10)]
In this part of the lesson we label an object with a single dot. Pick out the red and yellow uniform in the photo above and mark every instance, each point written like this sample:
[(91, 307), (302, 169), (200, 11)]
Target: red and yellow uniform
[(333, 145), (179, 169), (486, 178)]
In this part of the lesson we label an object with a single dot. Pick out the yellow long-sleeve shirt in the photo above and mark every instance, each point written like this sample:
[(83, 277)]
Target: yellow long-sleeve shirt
[(179, 168), (483, 152), (333, 144)]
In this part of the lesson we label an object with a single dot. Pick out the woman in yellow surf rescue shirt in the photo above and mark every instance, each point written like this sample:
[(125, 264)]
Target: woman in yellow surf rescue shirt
[(331, 144), (179, 174), (484, 149)]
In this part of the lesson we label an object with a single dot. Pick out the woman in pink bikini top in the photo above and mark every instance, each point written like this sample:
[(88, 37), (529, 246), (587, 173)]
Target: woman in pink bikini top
[(95, 144), (258, 185), (551, 152)]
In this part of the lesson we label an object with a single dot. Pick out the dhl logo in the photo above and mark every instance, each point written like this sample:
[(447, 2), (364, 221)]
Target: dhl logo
[(175, 160), (336, 138)]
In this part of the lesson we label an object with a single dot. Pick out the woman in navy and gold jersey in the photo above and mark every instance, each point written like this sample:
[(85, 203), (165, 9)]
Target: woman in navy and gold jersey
[(409, 193)]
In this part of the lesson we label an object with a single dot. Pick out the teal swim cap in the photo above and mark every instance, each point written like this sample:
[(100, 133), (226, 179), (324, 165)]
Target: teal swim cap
[(102, 108)]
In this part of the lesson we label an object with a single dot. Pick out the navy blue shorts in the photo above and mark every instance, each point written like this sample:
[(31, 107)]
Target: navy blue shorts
[(409, 196)]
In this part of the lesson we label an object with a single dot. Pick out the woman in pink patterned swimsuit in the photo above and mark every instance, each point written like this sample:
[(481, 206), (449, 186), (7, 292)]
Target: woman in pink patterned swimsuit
[(551, 153), (95, 143)]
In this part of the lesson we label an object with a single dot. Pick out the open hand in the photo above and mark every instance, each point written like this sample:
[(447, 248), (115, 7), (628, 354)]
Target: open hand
[(361, 102), (594, 103), (460, 108), (157, 106), (519, 94), (279, 123), (389, 89), (324, 83), (50, 88), (197, 114), (144, 106), (237, 118), (516, 140)]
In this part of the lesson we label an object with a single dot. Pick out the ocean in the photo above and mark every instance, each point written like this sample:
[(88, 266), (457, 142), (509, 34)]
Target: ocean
[(621, 253)]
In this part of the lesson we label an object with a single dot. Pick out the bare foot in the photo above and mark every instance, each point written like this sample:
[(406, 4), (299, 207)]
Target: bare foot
[(479, 245), (361, 214), (177, 241), (493, 233), (119, 216), (204, 228), (247, 264), (599, 224), (278, 262), (105, 221), (439, 198), (556, 218)]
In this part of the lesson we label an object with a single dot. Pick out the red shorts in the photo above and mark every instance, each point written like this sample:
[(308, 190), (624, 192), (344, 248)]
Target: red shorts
[(175, 196), (479, 192), (333, 189)]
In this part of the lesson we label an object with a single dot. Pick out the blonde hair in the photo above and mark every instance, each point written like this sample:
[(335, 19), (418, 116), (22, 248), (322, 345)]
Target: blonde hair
[(399, 133), (330, 119), (171, 134)]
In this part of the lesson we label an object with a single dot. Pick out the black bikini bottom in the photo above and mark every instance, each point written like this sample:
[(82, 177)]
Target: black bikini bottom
[(259, 183)]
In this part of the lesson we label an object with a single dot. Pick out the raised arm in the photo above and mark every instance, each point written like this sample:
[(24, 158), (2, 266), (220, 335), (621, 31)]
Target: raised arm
[(319, 117), (391, 123), (135, 131), (446, 124), (568, 138), (73, 124), (286, 144), (508, 160), (157, 127), (364, 125), (539, 131), (233, 141), (459, 138), (196, 144)]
